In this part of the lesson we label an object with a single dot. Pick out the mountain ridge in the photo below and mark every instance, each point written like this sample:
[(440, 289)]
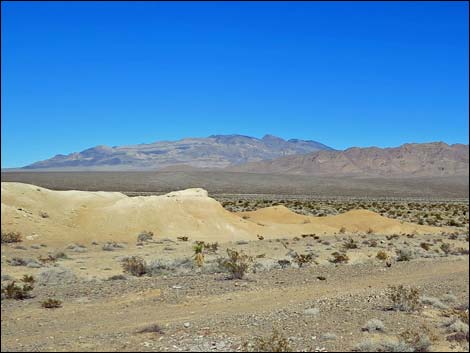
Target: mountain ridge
[(409, 159), (215, 151)]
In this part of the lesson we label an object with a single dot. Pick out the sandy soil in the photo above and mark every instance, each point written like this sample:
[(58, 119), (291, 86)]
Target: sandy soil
[(322, 306)]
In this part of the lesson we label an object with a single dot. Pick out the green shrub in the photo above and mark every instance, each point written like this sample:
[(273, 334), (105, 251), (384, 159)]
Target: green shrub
[(237, 264)]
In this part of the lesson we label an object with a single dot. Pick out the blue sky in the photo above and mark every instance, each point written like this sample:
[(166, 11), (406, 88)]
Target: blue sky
[(76, 75)]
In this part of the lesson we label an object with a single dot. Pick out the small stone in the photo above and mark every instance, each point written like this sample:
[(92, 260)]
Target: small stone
[(186, 324)]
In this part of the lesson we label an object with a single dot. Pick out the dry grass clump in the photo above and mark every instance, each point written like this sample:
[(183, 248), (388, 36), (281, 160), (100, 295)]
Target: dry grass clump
[(276, 342), (51, 303), (11, 237), (404, 298), (14, 291), (237, 264), (134, 265)]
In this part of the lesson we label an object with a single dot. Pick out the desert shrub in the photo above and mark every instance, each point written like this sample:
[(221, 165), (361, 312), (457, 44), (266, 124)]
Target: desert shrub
[(51, 303), (404, 298), (17, 292), (134, 265), (339, 258), (260, 237), (116, 278), (284, 263), (342, 230), (370, 231), (198, 253), (302, 259), (56, 275), (50, 258), (145, 236), (152, 328), (236, 264), (350, 244), (18, 261), (211, 247), (435, 302), (446, 248), (404, 254), (11, 237), (43, 214), (417, 339), (276, 342), (456, 325), (183, 238), (408, 341), (381, 255), (111, 246), (425, 246), (374, 325)]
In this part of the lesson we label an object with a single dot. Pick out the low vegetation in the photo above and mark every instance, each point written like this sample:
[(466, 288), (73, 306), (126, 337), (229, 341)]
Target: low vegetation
[(134, 265), (11, 237), (12, 290), (404, 298), (237, 263), (276, 342), (51, 303)]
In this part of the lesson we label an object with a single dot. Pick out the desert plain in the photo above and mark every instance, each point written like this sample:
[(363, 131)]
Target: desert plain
[(198, 270)]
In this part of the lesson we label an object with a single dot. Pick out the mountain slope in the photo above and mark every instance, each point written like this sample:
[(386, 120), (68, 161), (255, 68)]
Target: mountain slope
[(216, 151), (408, 160)]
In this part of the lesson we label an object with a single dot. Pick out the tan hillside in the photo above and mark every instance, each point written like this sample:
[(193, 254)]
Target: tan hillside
[(49, 216), (409, 160)]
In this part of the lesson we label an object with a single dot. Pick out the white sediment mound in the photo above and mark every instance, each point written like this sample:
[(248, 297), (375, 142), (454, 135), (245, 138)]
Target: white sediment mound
[(64, 217)]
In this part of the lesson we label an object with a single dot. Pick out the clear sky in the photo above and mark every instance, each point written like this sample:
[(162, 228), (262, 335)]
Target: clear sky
[(76, 75)]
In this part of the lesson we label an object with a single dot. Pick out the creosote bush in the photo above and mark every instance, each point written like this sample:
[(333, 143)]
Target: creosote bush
[(350, 244), (11, 237), (302, 259), (14, 291), (51, 303), (237, 264), (404, 298), (276, 342), (339, 258), (134, 265)]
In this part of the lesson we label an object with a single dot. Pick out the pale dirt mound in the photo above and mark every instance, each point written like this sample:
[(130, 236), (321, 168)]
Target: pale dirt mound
[(275, 214), (63, 217), (364, 221)]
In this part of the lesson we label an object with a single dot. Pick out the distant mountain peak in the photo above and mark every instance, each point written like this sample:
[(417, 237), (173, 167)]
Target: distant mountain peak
[(215, 151)]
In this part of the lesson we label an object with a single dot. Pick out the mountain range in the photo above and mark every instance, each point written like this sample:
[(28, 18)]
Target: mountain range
[(408, 160), (216, 151), (270, 155)]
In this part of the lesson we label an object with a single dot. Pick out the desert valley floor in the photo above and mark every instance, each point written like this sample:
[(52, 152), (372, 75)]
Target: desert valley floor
[(150, 273)]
